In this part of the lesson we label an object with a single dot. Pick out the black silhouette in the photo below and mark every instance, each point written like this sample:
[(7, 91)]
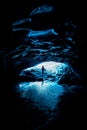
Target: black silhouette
[(43, 69)]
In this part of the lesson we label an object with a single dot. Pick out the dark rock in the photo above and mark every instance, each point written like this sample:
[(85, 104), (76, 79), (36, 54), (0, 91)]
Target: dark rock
[(70, 78)]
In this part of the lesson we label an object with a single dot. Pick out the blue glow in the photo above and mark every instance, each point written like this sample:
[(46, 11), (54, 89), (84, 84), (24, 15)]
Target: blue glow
[(44, 95), (53, 71), (21, 21), (69, 38), (19, 29), (50, 66), (42, 9), (42, 33)]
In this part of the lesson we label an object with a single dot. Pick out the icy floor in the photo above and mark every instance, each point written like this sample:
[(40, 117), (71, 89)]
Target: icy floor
[(44, 95)]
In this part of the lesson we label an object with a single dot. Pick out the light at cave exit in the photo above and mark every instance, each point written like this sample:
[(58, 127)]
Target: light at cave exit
[(51, 68), (44, 95)]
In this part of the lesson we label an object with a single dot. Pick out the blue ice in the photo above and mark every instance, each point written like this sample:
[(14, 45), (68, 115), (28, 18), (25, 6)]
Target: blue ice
[(44, 95), (20, 29), (42, 9), (69, 39), (40, 33), (53, 71), (21, 21)]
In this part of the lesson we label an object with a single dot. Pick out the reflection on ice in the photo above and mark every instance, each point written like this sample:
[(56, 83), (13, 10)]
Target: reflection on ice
[(44, 95)]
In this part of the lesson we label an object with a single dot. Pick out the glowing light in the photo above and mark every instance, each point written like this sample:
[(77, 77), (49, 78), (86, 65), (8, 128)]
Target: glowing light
[(21, 21), (51, 67), (19, 29), (42, 9), (44, 95), (42, 33), (69, 38)]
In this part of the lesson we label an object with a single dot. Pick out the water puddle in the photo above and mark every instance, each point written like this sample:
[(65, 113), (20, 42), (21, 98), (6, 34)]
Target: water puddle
[(43, 94)]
